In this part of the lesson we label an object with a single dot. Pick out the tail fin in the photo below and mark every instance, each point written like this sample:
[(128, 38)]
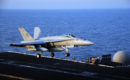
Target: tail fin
[(36, 32), (26, 36)]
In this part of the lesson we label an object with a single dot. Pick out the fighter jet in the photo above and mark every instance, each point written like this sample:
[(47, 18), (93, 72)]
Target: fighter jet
[(49, 44)]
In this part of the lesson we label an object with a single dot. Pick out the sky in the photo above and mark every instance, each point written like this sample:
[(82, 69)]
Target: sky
[(63, 4)]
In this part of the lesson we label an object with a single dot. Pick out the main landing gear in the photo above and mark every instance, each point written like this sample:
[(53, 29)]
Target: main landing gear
[(67, 54), (39, 55), (52, 54)]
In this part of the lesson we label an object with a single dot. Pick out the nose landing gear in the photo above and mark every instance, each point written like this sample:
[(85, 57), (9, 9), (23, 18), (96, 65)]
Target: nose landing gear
[(67, 54)]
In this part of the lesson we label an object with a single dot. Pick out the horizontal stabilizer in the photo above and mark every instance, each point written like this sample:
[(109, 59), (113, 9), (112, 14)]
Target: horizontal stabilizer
[(27, 43)]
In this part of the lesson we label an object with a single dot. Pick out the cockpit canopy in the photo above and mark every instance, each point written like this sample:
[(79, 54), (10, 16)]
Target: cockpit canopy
[(70, 36)]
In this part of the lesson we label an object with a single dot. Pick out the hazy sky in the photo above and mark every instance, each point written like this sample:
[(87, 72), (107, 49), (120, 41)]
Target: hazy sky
[(63, 4)]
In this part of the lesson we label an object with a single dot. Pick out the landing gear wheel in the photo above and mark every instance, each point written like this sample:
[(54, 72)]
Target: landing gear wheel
[(38, 55), (52, 54), (67, 54)]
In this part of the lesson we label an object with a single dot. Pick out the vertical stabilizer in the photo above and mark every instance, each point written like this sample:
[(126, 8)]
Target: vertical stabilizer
[(36, 32), (26, 36)]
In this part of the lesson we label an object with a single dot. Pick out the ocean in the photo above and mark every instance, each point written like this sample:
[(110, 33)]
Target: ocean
[(109, 29)]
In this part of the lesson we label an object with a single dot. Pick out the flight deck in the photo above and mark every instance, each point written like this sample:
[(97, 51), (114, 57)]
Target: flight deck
[(17, 65)]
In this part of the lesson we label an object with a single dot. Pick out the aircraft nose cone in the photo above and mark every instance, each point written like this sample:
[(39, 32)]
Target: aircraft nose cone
[(89, 43)]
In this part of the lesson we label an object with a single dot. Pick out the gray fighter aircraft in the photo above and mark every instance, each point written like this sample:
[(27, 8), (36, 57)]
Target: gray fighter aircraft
[(49, 44)]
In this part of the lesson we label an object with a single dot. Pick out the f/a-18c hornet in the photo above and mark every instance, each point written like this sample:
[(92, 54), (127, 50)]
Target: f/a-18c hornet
[(49, 44)]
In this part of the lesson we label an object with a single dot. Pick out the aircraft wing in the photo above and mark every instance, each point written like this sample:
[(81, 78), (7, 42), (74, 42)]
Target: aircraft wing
[(66, 42), (54, 43)]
